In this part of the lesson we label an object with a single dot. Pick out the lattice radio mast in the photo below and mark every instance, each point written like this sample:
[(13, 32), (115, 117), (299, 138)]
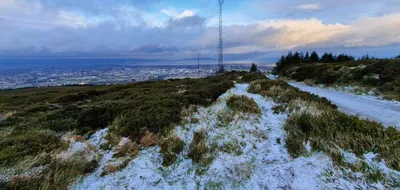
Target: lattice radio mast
[(220, 48)]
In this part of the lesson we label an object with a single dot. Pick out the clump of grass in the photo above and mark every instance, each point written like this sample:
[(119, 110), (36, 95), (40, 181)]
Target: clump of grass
[(198, 147), (112, 140), (126, 148), (112, 168), (348, 132), (224, 117), (22, 182), (62, 173), (243, 104), (170, 147), (232, 147), (281, 92), (148, 140), (279, 109), (108, 169)]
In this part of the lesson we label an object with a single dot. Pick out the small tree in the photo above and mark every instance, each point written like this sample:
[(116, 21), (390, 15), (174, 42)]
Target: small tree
[(314, 57), (306, 58), (398, 57), (253, 68)]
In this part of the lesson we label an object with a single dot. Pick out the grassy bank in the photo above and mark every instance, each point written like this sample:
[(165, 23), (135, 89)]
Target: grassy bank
[(380, 75), (315, 121)]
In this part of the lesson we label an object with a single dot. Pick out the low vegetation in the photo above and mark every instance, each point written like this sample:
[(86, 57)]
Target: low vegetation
[(326, 128), (283, 93), (198, 147), (380, 75), (170, 147), (243, 104), (139, 111)]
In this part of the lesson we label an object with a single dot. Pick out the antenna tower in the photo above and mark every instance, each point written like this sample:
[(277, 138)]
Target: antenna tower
[(220, 48)]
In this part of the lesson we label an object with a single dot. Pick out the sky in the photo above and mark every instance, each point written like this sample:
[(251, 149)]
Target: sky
[(254, 30)]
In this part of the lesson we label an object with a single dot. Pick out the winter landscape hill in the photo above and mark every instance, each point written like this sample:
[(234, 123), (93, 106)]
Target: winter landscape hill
[(237, 130)]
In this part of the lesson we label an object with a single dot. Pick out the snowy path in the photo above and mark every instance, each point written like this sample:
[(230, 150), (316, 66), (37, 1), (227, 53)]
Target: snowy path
[(367, 107)]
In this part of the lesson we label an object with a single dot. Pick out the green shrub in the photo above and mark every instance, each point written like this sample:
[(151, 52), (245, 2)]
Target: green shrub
[(249, 77), (328, 77), (93, 118), (391, 73), (15, 147)]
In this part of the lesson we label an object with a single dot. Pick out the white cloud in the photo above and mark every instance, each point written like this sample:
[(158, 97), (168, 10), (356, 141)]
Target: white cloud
[(374, 31), (173, 13), (32, 14), (186, 13), (308, 7), (286, 34)]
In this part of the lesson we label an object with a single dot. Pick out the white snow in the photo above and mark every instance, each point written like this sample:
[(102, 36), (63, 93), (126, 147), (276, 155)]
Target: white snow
[(343, 178)]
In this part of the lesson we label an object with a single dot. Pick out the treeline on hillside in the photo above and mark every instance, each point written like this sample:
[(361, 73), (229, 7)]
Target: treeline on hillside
[(300, 57)]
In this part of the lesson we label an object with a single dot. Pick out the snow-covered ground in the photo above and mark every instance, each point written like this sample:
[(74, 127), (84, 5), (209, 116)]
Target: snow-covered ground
[(260, 159)]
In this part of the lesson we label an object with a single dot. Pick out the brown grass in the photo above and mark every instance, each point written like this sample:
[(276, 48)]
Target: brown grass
[(128, 148), (148, 140)]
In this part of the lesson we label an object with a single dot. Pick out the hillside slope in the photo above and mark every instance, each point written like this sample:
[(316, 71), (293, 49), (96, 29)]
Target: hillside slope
[(237, 130)]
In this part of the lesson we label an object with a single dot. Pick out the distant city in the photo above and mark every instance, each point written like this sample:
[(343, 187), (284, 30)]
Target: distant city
[(17, 73)]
